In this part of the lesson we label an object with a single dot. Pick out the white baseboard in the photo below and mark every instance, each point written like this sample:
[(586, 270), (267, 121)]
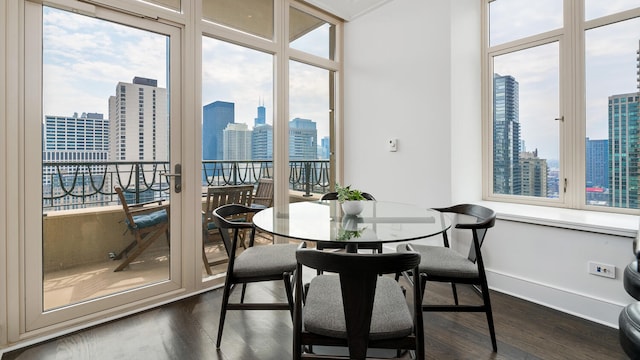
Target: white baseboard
[(601, 311)]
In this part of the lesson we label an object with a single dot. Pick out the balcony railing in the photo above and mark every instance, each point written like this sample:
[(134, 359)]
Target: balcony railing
[(73, 185)]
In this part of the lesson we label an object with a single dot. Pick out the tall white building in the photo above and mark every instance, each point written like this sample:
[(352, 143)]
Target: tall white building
[(76, 138), (73, 149), (139, 120), (237, 142)]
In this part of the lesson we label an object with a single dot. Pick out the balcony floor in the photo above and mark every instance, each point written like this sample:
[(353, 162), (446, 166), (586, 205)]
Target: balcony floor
[(81, 283)]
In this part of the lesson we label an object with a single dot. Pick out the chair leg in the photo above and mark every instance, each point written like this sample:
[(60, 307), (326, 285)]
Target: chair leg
[(142, 245), (126, 250), (244, 289), (223, 310), (288, 289), (207, 267), (455, 293), (488, 311)]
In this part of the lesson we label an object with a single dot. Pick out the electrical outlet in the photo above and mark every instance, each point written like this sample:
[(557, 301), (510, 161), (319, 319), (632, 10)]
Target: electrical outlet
[(600, 269)]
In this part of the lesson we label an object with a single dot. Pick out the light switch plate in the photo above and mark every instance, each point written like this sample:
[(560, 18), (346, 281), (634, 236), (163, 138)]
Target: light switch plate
[(393, 145)]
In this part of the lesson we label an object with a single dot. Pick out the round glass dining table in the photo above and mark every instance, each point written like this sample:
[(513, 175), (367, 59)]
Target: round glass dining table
[(379, 222)]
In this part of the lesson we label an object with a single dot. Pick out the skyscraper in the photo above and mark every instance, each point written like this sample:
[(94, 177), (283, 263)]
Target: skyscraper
[(534, 174), (139, 121), (83, 139), (624, 151), (215, 118), (262, 142), (262, 116), (237, 142), (597, 166), (325, 150), (506, 136), (303, 139)]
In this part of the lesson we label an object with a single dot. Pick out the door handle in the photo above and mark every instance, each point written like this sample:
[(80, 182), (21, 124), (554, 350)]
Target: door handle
[(177, 176)]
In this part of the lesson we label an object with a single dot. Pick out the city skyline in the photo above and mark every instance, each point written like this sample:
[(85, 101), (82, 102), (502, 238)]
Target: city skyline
[(610, 54), (78, 47)]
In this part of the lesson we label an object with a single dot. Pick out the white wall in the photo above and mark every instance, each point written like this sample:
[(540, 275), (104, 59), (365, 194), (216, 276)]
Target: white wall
[(397, 85), (412, 72)]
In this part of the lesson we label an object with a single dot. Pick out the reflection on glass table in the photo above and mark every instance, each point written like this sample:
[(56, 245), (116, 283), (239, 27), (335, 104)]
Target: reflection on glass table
[(379, 222)]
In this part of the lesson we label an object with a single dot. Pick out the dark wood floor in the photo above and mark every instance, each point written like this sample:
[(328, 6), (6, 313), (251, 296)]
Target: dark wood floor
[(187, 330)]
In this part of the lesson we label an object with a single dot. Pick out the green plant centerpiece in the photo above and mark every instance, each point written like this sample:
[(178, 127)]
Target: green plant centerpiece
[(350, 199), (348, 194)]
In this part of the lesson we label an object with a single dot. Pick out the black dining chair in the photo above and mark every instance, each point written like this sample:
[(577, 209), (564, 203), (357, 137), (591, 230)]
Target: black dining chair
[(444, 264), (322, 245), (255, 264), (354, 306)]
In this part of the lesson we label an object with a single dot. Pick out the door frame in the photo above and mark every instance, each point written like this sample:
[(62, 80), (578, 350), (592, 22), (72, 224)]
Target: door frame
[(32, 317)]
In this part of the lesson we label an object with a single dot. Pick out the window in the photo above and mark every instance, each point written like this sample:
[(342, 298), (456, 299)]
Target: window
[(563, 90)]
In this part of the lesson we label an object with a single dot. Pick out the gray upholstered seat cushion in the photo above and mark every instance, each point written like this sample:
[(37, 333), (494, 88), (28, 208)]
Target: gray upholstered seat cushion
[(266, 259), (443, 261), (324, 314)]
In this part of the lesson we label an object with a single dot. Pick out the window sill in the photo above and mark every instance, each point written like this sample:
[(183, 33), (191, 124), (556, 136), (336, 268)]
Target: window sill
[(582, 220)]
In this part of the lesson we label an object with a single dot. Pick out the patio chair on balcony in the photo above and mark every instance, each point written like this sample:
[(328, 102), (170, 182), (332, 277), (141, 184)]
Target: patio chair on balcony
[(216, 197), (264, 194), (145, 222)]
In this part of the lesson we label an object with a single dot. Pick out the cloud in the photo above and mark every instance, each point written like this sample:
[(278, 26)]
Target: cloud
[(610, 62), (85, 58), (245, 76)]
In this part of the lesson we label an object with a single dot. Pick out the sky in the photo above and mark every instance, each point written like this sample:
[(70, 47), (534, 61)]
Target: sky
[(610, 65), (85, 58)]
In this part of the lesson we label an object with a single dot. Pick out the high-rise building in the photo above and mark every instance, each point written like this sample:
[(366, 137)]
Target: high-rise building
[(84, 138), (74, 140), (325, 149), (262, 142), (597, 163), (624, 151), (303, 139), (262, 116), (534, 174), (139, 131), (237, 142), (215, 118), (506, 136), (139, 121)]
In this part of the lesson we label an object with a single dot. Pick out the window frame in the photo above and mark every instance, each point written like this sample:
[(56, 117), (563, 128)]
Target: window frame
[(572, 93)]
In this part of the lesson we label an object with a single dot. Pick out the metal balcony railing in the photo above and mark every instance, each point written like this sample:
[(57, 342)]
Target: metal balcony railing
[(74, 185)]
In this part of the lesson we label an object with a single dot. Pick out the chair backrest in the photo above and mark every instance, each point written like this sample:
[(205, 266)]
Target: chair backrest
[(125, 206), (223, 195), (485, 219), (226, 218), (264, 193), (334, 196), (358, 277)]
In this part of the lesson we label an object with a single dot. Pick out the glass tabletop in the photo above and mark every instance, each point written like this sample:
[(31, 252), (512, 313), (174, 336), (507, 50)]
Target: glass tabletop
[(379, 222)]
